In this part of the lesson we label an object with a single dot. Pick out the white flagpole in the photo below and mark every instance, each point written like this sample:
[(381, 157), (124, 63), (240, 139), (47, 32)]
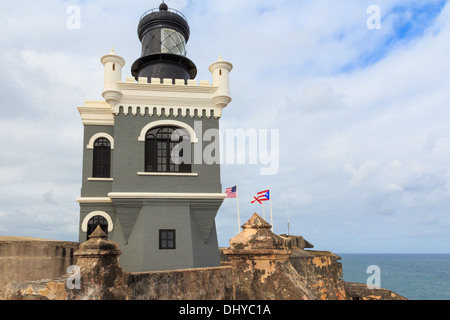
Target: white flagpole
[(239, 217), (287, 202), (270, 202), (264, 212)]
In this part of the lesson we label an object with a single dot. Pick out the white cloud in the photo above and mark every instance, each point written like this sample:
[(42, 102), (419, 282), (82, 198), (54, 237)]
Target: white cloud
[(318, 97), (364, 171)]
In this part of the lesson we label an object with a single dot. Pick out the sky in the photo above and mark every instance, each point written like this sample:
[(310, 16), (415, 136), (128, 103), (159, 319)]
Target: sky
[(361, 109)]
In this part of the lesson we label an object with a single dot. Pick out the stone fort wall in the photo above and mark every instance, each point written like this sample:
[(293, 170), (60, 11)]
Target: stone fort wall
[(258, 265), (26, 259)]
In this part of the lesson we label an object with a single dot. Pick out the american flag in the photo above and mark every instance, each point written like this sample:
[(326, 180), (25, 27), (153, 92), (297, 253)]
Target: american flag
[(231, 192)]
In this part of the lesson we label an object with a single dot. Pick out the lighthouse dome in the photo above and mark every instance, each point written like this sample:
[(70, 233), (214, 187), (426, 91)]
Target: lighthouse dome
[(164, 34)]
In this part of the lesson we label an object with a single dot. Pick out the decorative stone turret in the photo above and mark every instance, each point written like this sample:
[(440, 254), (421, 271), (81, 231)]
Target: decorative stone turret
[(101, 275), (221, 79), (258, 243), (113, 65), (261, 267), (256, 235), (96, 248)]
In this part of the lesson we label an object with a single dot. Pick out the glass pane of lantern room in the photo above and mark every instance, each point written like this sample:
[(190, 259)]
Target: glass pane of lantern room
[(172, 42)]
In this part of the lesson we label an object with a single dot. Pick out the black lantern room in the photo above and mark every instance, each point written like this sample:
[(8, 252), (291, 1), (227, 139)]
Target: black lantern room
[(164, 34)]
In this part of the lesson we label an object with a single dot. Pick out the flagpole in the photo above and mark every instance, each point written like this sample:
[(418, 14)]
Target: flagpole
[(264, 212), (270, 203), (287, 202), (239, 217)]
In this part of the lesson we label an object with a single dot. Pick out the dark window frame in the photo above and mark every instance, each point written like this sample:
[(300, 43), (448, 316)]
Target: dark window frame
[(101, 162), (167, 239), (159, 144)]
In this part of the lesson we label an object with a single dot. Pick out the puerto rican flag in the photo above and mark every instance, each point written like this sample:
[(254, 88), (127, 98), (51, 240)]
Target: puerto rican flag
[(262, 196)]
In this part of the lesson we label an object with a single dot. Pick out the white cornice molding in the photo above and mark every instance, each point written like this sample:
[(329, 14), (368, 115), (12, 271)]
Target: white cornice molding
[(168, 87), (156, 99), (96, 113), (179, 99), (166, 101), (167, 195), (166, 111), (94, 200)]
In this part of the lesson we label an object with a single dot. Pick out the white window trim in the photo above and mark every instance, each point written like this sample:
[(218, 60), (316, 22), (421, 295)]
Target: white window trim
[(163, 123), (98, 136), (100, 179), (174, 174), (84, 225)]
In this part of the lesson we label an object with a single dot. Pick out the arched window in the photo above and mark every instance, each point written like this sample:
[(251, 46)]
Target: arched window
[(102, 158), (167, 149), (94, 222)]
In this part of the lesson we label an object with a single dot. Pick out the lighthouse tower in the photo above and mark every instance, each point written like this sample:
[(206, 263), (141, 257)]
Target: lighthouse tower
[(145, 181)]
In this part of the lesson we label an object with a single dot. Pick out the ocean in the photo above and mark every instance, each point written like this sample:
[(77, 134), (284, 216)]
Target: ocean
[(414, 276)]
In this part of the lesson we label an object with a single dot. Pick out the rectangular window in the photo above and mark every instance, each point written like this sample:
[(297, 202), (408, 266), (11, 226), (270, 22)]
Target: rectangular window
[(102, 159), (163, 152), (167, 240)]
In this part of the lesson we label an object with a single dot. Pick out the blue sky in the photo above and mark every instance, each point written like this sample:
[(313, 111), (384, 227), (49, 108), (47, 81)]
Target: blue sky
[(363, 114)]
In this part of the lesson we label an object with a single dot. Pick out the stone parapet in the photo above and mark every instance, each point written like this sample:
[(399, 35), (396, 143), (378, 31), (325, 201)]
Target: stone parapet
[(29, 259), (209, 284), (102, 278), (259, 265)]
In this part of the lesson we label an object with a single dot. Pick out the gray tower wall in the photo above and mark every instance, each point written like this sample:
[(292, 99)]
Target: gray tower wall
[(129, 159), (196, 237), (137, 221), (94, 188)]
